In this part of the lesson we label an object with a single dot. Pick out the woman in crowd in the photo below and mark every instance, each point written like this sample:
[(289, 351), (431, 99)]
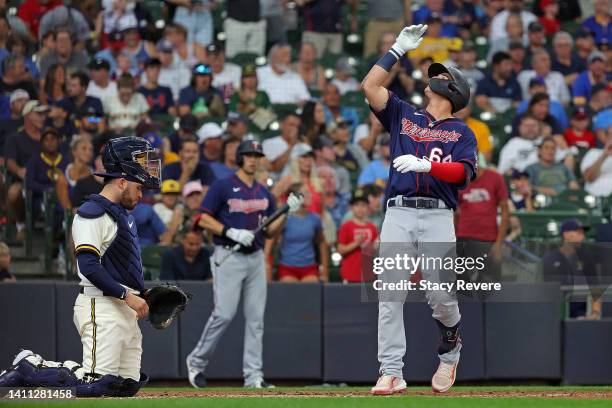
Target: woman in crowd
[(301, 239), (302, 170), (313, 121), (54, 85)]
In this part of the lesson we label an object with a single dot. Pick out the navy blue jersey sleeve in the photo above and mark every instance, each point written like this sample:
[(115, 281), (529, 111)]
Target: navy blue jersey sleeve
[(465, 152), (392, 112), (272, 201), (214, 199), (91, 268)]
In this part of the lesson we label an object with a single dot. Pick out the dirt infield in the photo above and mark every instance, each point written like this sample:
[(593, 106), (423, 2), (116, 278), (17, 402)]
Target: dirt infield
[(329, 393)]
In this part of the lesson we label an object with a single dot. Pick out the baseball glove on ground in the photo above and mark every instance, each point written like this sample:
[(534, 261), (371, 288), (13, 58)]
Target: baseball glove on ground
[(165, 303)]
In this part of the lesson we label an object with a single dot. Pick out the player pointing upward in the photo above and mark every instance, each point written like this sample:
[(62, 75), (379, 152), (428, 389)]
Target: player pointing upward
[(434, 155)]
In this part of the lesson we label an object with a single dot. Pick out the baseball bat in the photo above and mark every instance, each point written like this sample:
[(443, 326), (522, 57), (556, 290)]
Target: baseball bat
[(279, 211)]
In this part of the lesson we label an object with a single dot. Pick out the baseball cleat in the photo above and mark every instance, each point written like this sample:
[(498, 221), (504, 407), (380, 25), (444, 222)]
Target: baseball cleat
[(196, 379), (261, 383), (444, 377), (388, 385), (21, 355)]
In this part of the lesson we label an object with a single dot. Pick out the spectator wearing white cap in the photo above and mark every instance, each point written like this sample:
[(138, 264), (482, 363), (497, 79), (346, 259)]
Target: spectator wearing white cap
[(278, 149), (209, 137), (189, 168), (17, 100), (344, 77)]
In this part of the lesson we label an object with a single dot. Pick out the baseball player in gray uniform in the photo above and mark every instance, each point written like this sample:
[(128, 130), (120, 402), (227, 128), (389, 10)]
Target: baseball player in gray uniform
[(232, 209), (434, 155)]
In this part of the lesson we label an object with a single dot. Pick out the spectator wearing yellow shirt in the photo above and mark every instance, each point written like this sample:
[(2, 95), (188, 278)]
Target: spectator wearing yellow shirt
[(481, 131), (433, 44)]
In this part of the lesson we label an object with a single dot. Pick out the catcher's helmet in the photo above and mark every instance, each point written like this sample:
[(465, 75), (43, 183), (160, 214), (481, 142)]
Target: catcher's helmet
[(132, 158), (456, 90), (248, 147)]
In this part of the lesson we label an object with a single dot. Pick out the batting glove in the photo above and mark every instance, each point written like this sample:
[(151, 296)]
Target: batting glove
[(409, 38), (295, 201), (409, 162), (242, 236)]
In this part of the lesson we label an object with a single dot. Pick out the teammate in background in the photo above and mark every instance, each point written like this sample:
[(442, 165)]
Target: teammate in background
[(107, 310), (233, 208), (433, 155)]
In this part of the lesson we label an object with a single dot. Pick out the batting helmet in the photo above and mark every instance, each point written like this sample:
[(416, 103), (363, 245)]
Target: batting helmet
[(456, 90), (248, 147), (132, 158)]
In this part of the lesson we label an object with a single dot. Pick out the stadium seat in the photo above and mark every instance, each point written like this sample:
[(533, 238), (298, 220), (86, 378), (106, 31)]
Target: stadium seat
[(151, 260), (354, 98), (578, 198), (244, 58)]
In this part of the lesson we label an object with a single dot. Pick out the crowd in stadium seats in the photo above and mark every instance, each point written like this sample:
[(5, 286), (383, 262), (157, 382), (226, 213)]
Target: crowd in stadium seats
[(195, 77)]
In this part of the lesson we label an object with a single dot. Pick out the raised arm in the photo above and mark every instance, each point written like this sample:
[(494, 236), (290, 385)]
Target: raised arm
[(372, 84)]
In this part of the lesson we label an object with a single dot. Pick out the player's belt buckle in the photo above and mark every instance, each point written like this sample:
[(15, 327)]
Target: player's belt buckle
[(426, 204)]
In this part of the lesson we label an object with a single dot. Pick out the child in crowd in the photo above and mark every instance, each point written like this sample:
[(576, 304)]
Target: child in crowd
[(354, 235), (578, 134)]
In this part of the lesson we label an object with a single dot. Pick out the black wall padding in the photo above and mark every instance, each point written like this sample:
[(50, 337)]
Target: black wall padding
[(28, 320), (523, 339), (586, 352)]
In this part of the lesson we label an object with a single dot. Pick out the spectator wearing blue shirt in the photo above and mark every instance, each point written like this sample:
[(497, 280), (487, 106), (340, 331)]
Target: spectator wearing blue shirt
[(595, 74), (226, 166), (78, 103), (151, 229), (301, 236), (187, 261), (333, 109), (158, 97), (377, 171), (600, 24), (499, 90), (189, 168), (448, 15), (200, 98), (555, 109)]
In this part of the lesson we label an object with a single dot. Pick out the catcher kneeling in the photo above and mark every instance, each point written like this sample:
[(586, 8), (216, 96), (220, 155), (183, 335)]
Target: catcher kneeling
[(107, 310)]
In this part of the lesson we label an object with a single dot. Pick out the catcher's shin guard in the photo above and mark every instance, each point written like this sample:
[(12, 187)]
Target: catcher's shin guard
[(103, 386), (130, 387)]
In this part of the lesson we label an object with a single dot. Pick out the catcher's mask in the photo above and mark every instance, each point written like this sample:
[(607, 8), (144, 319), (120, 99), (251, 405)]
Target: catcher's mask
[(134, 159)]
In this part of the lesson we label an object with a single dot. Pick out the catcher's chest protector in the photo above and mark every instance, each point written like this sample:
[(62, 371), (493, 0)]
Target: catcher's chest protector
[(122, 258)]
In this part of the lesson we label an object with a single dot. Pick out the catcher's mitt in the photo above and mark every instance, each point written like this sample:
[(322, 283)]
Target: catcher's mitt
[(165, 302)]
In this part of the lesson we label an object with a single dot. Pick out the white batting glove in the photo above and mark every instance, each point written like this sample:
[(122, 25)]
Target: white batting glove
[(295, 202), (409, 38), (242, 236), (409, 162)]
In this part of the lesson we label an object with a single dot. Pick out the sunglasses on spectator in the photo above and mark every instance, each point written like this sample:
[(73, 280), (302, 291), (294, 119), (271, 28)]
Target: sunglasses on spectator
[(202, 69), (94, 119)]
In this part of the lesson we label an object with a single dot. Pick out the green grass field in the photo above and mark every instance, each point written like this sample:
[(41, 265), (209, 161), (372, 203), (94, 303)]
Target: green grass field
[(319, 397)]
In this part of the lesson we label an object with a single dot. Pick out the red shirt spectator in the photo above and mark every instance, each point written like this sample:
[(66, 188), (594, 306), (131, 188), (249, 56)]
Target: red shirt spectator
[(31, 12), (578, 133), (355, 234), (478, 205)]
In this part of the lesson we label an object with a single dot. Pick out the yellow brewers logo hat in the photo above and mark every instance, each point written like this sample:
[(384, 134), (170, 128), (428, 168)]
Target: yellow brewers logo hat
[(171, 187)]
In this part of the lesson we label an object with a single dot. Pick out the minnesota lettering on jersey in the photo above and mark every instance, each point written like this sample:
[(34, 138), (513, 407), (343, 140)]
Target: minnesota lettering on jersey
[(420, 134), (247, 206)]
